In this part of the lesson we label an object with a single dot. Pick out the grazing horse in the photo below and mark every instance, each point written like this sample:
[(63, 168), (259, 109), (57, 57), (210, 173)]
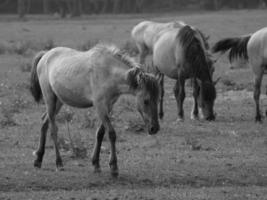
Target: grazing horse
[(253, 48), (146, 34), (181, 54), (93, 78)]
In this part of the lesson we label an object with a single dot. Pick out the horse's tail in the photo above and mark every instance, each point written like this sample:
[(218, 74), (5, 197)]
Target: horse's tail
[(236, 45), (194, 53), (34, 80)]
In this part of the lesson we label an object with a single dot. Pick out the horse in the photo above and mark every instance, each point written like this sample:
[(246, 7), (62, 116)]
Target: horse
[(147, 33), (253, 49), (97, 77)]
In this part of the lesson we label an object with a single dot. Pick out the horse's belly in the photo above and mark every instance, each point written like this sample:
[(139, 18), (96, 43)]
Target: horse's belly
[(74, 92), (165, 63)]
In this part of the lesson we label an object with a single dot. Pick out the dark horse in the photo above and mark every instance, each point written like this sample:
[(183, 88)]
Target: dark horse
[(252, 48), (180, 53), (93, 78)]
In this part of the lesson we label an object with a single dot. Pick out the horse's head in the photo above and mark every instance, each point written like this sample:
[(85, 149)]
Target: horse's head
[(146, 88), (206, 98)]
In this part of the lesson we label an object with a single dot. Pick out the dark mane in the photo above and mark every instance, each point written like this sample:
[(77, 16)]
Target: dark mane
[(137, 77), (209, 92), (204, 38), (194, 53), (121, 55)]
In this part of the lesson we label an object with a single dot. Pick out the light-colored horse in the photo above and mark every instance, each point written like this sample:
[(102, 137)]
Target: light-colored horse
[(252, 48), (93, 78), (181, 54), (146, 35)]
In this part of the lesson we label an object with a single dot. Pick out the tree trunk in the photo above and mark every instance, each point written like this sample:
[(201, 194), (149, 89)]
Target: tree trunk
[(116, 6), (21, 8), (46, 6), (76, 8)]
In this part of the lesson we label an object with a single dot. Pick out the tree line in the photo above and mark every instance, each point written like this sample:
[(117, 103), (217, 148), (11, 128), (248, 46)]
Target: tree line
[(78, 7)]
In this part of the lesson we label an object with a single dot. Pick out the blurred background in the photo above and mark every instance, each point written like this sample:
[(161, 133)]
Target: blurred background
[(74, 8)]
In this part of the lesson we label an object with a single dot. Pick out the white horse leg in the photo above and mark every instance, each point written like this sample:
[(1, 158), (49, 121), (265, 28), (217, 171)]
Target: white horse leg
[(95, 156), (257, 91)]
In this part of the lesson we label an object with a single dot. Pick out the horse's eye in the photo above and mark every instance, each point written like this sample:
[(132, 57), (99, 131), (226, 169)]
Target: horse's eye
[(146, 102)]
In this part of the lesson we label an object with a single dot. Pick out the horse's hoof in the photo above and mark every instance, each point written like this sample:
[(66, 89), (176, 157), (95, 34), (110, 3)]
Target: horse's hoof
[(179, 119), (97, 170), (258, 119), (194, 117), (37, 164), (114, 173), (60, 169)]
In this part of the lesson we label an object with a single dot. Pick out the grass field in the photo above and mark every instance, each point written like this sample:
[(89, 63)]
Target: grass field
[(225, 159)]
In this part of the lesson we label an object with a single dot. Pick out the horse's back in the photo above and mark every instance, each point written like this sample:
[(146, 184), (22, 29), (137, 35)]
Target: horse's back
[(257, 48), (164, 54), (67, 73), (148, 32)]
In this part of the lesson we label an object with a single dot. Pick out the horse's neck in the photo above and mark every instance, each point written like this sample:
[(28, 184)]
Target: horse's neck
[(122, 82)]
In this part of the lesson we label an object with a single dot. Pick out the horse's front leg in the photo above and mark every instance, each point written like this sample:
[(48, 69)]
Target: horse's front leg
[(113, 157), (143, 52), (257, 91), (161, 86), (95, 156), (196, 89), (179, 93)]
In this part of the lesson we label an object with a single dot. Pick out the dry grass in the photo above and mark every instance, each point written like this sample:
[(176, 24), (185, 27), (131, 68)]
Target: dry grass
[(225, 159)]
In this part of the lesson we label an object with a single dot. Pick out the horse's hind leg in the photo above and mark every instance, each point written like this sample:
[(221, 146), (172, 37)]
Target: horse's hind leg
[(179, 93), (39, 153), (161, 86), (257, 91), (53, 109), (41, 148), (95, 156), (194, 113)]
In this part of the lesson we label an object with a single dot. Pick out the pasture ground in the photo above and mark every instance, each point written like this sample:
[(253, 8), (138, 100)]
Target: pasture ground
[(225, 159)]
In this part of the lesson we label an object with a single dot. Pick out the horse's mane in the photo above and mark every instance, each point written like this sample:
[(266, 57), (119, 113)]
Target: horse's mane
[(136, 75), (194, 52), (204, 38), (119, 54)]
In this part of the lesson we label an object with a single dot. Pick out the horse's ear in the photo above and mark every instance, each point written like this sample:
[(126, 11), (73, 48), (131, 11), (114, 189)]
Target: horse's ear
[(133, 78)]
